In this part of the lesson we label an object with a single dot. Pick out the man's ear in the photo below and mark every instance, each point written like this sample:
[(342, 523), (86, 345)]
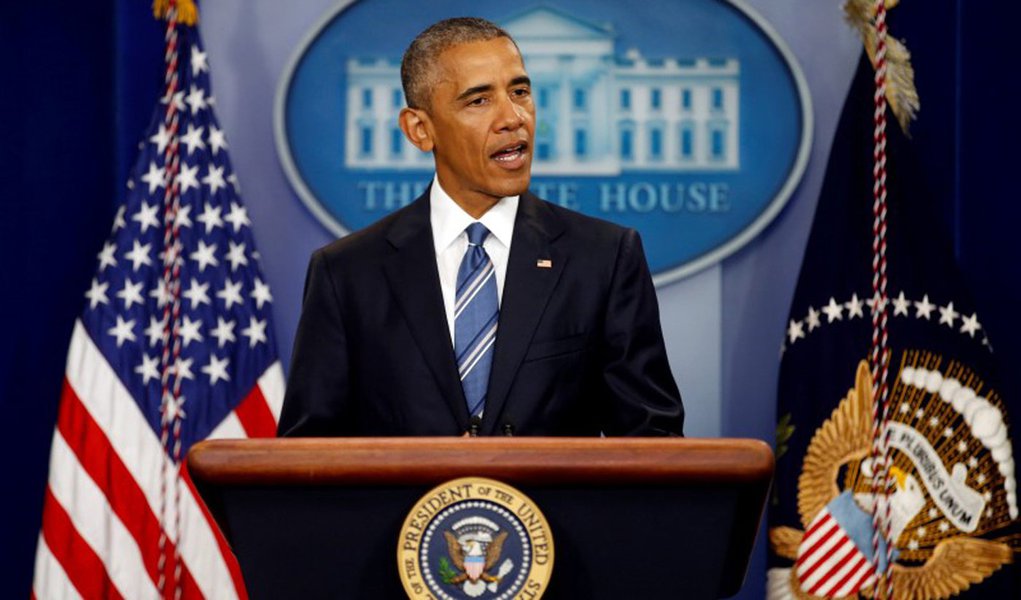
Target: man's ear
[(417, 128)]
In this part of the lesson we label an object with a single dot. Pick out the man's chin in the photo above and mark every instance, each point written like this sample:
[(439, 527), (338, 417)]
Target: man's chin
[(506, 191), (510, 186)]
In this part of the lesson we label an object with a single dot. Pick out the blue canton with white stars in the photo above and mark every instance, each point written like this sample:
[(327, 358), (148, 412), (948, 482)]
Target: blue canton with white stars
[(226, 331)]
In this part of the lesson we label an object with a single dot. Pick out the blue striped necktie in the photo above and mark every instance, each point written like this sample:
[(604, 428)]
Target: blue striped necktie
[(476, 311)]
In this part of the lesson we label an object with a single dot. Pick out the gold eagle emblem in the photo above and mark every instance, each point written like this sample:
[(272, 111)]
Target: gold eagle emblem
[(940, 552), (458, 554)]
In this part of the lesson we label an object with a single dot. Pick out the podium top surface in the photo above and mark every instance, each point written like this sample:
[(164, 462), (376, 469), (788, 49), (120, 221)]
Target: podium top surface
[(324, 461)]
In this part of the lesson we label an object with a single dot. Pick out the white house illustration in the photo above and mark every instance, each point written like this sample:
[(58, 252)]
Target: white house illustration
[(597, 112)]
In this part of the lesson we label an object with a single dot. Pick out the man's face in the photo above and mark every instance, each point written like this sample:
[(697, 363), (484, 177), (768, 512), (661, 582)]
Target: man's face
[(482, 122)]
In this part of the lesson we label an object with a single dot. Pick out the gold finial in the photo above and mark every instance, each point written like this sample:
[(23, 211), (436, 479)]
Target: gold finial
[(187, 12)]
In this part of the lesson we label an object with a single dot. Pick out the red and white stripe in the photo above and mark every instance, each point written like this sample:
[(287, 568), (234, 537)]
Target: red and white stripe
[(829, 565), (100, 518)]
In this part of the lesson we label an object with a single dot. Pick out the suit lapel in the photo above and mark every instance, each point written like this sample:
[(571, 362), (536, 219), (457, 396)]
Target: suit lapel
[(526, 291), (414, 282)]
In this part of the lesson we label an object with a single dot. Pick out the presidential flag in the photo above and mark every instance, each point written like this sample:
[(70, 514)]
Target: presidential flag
[(953, 506), (175, 344)]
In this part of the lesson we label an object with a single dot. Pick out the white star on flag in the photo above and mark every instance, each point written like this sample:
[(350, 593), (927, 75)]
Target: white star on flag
[(187, 179), (138, 255), (255, 332), (193, 139), (834, 311), (236, 255), (217, 141), (196, 99), (198, 293), (178, 100), (812, 319), (900, 305), (216, 369), (189, 331), (155, 330), (182, 219), (214, 179), (173, 408), (970, 325), (131, 293), (174, 254), (854, 307), (223, 332), (874, 301), (260, 293), (118, 219), (155, 177), (210, 217), (947, 315), (182, 368), (161, 294), (123, 330), (161, 138), (146, 216), (238, 216), (97, 293), (205, 256), (924, 308), (198, 61), (106, 257), (795, 331), (231, 293), (148, 368)]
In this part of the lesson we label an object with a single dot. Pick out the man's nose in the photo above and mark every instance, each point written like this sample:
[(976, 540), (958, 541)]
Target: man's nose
[(511, 115)]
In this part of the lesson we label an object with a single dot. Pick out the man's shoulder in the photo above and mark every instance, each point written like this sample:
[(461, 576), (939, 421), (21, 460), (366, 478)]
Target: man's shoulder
[(365, 244)]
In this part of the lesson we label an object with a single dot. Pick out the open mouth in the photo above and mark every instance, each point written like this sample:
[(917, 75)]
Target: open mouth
[(511, 155)]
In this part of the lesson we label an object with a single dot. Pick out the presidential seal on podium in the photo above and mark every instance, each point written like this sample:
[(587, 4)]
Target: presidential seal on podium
[(475, 538)]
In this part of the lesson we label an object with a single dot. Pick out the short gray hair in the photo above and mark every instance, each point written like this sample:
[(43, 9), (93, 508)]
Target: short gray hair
[(419, 62)]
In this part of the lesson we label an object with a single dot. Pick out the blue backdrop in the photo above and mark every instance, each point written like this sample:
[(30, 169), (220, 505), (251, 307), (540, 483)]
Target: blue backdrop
[(79, 84)]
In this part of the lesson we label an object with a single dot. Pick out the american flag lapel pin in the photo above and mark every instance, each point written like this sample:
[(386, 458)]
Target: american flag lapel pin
[(544, 263)]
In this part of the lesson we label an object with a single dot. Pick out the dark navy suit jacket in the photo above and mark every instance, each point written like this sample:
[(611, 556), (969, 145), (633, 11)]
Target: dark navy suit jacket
[(579, 349)]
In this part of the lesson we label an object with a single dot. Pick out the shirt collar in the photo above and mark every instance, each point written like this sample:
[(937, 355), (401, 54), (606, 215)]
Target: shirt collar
[(449, 220)]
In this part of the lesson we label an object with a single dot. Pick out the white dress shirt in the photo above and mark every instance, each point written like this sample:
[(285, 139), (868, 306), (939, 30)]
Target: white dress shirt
[(448, 222)]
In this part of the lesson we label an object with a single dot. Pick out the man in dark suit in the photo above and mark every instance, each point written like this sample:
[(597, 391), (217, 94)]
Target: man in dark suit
[(479, 308)]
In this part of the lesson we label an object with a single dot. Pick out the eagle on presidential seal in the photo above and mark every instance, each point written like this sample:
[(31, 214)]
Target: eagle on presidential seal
[(953, 468), (475, 551)]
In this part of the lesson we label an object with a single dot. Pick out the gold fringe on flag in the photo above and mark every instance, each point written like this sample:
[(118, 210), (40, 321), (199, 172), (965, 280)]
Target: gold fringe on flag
[(187, 12), (900, 75)]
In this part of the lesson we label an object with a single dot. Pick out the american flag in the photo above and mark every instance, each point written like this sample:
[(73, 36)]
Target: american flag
[(175, 345), (831, 563)]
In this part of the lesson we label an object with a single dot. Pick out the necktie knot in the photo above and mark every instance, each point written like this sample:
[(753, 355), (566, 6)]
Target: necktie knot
[(477, 233)]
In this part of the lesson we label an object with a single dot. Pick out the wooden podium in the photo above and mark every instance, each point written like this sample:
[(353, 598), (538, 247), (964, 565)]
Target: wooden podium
[(631, 518)]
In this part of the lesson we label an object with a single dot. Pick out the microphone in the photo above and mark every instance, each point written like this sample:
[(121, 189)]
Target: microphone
[(508, 429), (473, 428)]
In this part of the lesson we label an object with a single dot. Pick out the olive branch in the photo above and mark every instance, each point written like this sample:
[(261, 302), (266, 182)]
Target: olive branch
[(447, 573)]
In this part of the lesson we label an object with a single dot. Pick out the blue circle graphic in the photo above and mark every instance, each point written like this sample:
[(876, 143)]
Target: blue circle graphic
[(462, 521), (689, 121)]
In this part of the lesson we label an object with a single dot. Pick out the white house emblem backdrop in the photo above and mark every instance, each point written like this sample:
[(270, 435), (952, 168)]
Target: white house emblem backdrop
[(688, 120)]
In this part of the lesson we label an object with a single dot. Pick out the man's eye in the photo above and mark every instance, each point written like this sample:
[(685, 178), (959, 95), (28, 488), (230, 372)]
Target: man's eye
[(521, 92), (476, 102)]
